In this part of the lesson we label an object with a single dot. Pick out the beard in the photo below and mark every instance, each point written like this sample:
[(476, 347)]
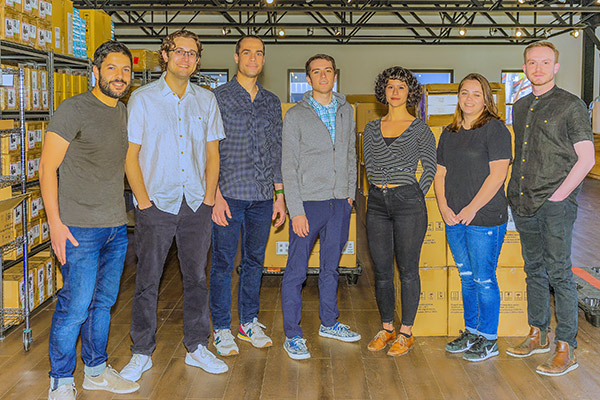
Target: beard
[(106, 89)]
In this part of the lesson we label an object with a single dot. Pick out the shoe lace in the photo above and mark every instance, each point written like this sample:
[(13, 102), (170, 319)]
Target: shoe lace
[(341, 328), (204, 353), (225, 335), (299, 344), (381, 335), (257, 327), (136, 360), (478, 344), (401, 339)]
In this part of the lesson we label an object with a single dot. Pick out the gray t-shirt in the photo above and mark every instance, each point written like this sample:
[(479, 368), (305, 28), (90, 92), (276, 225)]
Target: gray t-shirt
[(90, 188)]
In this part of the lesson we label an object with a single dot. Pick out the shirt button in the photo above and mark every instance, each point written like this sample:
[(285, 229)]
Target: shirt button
[(521, 193), (180, 135), (180, 119), (536, 97), (526, 126), (522, 177), (523, 160), (525, 143), (545, 121), (182, 170), (182, 152), (531, 109)]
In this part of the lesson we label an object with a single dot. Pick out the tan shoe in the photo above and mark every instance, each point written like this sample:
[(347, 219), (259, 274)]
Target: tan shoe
[(535, 342), (381, 340), (111, 381), (562, 361), (401, 346)]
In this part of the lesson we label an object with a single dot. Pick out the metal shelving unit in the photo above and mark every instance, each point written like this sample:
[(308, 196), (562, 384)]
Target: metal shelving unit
[(20, 54)]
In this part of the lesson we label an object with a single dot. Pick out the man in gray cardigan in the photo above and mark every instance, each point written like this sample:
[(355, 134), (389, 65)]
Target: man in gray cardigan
[(319, 174)]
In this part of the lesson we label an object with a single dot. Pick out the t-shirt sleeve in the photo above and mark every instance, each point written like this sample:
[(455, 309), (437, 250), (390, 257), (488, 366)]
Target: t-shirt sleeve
[(66, 121), (579, 127), (440, 148), (215, 123), (498, 141)]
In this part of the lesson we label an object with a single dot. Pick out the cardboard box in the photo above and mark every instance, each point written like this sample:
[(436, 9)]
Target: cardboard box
[(33, 234), (432, 314), (40, 292), (277, 248), (44, 230), (366, 112), (14, 287), (433, 252), (67, 39), (33, 132), (33, 165), (7, 215), (49, 275), (58, 21), (513, 302), (97, 29)]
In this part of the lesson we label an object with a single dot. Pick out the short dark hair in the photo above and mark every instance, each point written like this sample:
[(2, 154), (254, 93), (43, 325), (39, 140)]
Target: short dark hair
[(319, 57), (168, 44), (402, 75), (239, 43), (112, 46)]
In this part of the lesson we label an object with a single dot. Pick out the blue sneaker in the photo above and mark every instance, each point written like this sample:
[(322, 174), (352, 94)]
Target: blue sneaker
[(296, 348), (340, 332)]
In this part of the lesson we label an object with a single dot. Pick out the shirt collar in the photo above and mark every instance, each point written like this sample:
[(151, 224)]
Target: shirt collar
[(315, 103), (165, 90), (547, 94), (241, 88)]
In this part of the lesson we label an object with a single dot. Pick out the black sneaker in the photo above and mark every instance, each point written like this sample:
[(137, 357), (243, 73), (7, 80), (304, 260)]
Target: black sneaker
[(481, 350), (461, 343)]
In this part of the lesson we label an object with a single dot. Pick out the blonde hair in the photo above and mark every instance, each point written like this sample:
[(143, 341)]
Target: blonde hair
[(490, 110), (541, 44)]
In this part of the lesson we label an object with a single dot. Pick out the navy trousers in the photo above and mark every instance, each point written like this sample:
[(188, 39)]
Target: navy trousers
[(329, 220)]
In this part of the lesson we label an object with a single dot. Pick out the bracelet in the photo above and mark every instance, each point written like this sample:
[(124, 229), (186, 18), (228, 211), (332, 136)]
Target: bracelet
[(278, 191)]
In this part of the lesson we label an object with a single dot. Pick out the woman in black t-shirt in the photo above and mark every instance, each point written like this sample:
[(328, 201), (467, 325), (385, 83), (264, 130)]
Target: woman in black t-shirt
[(473, 156)]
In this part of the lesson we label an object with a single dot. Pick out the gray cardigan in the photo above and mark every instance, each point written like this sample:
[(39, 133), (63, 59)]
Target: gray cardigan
[(313, 167)]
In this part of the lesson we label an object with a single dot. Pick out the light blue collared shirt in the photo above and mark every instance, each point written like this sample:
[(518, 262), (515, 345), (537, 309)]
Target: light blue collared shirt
[(173, 133)]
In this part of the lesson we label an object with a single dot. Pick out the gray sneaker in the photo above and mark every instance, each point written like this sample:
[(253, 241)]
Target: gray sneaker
[(63, 392), (111, 381), (461, 343), (481, 350), (296, 348), (340, 332)]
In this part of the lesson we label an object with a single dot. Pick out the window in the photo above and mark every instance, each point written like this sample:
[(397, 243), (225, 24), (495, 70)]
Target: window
[(427, 76), (516, 85), (213, 77), (297, 84)]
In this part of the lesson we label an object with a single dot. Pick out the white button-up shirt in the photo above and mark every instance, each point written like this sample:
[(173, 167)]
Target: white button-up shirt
[(173, 133)]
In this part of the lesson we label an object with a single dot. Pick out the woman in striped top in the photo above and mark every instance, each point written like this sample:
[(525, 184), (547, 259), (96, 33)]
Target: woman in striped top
[(396, 213)]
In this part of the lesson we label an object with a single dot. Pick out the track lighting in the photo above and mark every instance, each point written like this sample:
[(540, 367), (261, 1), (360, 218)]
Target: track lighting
[(575, 33), (310, 31), (281, 32), (462, 31), (518, 33), (269, 1), (226, 31)]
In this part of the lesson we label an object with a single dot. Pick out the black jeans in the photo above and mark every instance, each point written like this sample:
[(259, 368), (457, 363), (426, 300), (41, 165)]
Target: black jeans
[(396, 225), (154, 233), (546, 246)]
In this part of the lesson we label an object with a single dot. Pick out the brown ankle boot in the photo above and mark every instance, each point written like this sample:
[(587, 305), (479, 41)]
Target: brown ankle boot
[(532, 344), (562, 361)]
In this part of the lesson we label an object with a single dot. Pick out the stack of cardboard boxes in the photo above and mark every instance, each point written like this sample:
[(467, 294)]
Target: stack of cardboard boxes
[(36, 90), (27, 22), (67, 84)]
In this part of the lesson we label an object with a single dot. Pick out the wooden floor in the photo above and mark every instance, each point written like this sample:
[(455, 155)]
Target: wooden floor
[(336, 370)]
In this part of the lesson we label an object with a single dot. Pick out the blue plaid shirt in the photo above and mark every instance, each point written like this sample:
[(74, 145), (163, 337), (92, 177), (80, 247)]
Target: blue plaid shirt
[(251, 153), (326, 113)]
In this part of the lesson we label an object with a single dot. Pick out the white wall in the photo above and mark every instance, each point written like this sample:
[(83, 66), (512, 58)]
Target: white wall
[(359, 65)]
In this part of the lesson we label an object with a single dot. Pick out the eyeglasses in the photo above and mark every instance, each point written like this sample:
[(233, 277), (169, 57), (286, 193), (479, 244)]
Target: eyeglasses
[(179, 52)]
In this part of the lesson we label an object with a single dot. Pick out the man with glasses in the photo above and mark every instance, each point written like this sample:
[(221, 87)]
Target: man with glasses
[(250, 172), (172, 167)]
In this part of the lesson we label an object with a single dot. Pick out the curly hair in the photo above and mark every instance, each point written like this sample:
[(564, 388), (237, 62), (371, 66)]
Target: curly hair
[(403, 75), (168, 44)]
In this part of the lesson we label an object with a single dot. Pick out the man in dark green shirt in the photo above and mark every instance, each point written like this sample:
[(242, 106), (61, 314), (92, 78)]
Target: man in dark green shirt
[(554, 151)]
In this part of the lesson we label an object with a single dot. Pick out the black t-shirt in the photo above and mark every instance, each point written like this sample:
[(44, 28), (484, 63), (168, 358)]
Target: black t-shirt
[(466, 154)]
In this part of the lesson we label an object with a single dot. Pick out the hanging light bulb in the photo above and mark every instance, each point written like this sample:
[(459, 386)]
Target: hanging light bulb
[(575, 33), (281, 32), (519, 33), (462, 31)]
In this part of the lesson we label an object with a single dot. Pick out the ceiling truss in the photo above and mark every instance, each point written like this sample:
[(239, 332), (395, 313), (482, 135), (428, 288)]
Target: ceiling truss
[(141, 22)]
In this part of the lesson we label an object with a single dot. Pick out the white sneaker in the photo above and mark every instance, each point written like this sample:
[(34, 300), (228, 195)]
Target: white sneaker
[(253, 332), (63, 392), (138, 364), (225, 343), (206, 360), (111, 381)]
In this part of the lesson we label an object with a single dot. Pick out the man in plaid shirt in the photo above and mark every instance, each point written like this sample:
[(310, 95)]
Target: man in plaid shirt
[(250, 172)]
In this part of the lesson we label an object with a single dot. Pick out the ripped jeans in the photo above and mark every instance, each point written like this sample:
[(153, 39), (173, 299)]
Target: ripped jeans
[(476, 250)]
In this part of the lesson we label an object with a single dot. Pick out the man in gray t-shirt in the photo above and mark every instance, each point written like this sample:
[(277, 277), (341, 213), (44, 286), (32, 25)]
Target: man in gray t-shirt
[(86, 142)]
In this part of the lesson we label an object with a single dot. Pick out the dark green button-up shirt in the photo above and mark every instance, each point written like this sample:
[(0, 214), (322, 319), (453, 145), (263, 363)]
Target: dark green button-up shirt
[(546, 128)]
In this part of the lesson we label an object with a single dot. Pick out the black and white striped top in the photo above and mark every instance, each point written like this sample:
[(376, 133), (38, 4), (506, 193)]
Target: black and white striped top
[(396, 164)]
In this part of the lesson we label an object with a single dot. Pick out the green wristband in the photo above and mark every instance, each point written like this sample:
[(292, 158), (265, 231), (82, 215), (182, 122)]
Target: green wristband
[(278, 191)]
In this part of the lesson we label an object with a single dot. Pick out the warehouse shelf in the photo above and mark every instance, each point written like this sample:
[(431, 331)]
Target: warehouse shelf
[(35, 250)]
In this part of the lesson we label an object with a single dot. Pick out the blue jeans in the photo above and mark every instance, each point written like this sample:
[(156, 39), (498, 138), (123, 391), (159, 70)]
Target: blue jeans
[(91, 280), (253, 219), (330, 220), (476, 250)]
